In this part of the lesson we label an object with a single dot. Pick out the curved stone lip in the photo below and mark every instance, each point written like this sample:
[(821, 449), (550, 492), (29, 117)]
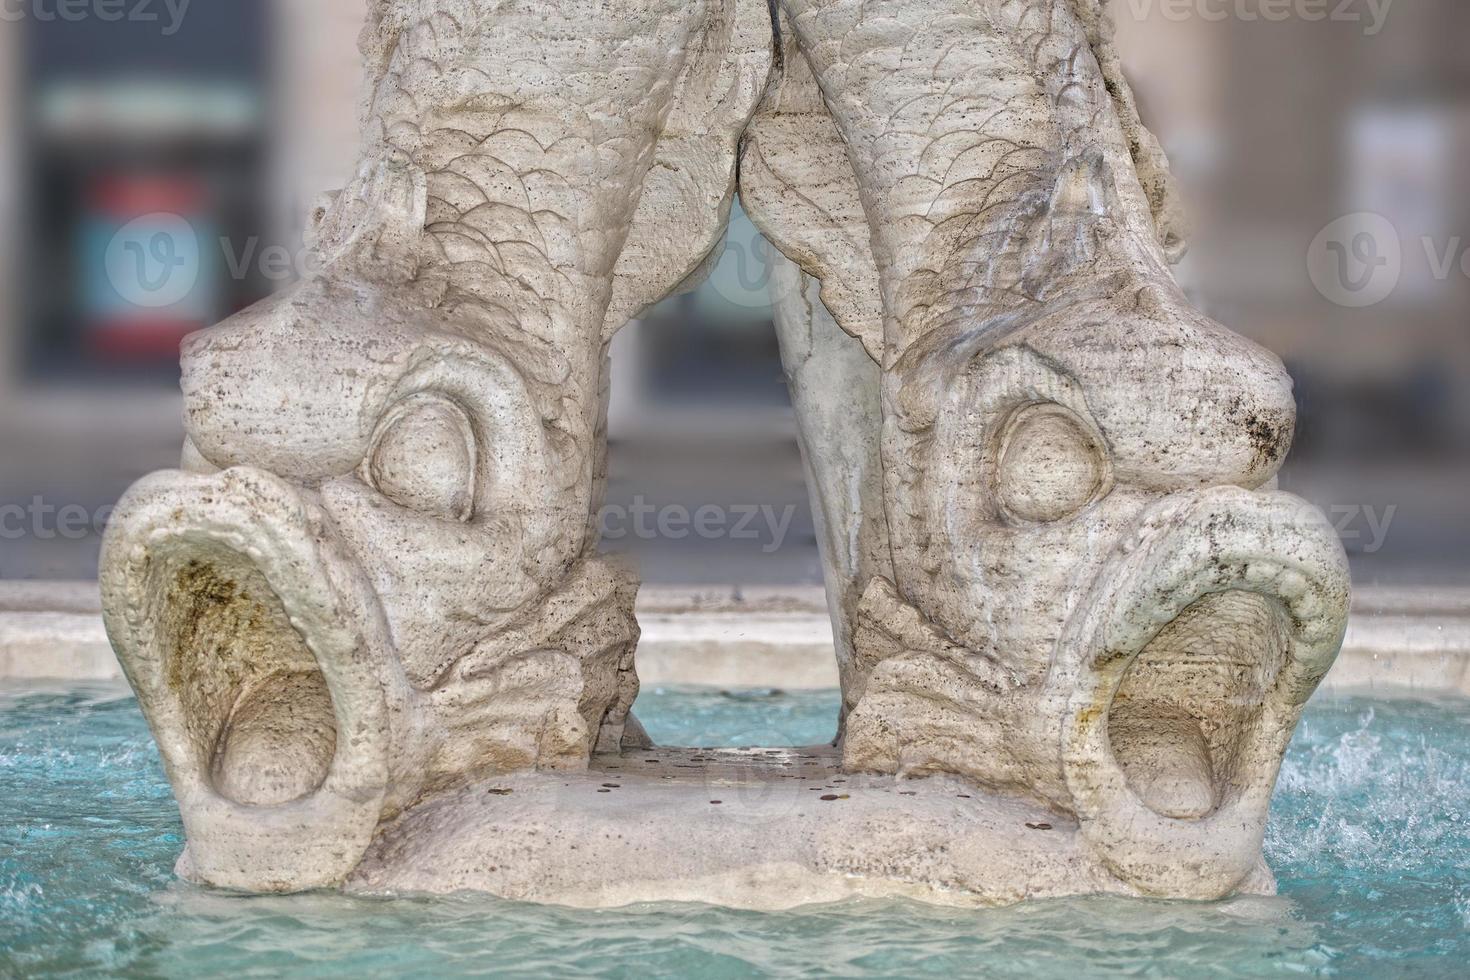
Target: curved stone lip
[(1188, 547), (173, 518)]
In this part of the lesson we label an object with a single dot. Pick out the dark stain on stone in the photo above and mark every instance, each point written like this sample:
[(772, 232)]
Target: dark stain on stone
[(1268, 439), (201, 589)]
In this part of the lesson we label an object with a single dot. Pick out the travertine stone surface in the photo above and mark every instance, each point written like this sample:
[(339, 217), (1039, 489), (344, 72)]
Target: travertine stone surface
[(836, 393), (1062, 586), (378, 579), (747, 828), (1096, 601)]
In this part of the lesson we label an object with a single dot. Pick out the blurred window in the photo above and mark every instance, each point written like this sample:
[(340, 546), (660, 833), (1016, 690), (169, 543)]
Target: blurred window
[(145, 170)]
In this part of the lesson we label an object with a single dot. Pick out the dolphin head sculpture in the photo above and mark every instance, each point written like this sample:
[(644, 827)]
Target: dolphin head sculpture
[(371, 579)]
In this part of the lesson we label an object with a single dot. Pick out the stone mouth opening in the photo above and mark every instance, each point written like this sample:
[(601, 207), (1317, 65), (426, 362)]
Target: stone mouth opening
[(1185, 709), (258, 710)]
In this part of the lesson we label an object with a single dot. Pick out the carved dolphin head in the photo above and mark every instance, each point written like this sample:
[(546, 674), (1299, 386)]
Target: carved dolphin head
[(367, 582), (1117, 615)]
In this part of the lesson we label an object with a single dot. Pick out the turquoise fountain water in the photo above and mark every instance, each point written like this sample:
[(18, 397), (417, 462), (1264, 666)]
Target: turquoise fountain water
[(1370, 836)]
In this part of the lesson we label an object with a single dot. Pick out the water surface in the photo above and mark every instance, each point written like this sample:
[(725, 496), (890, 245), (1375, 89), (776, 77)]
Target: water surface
[(1370, 836)]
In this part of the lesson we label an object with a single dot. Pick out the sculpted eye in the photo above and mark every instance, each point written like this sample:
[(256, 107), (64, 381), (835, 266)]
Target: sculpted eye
[(1052, 464), (423, 457)]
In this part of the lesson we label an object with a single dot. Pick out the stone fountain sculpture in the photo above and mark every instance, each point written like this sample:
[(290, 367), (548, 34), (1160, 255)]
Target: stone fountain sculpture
[(1076, 624)]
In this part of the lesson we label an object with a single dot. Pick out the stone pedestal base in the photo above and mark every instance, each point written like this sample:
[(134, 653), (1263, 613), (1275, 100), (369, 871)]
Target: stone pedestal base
[(749, 828)]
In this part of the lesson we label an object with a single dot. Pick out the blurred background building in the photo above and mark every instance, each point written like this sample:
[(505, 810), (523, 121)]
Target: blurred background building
[(237, 116)]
